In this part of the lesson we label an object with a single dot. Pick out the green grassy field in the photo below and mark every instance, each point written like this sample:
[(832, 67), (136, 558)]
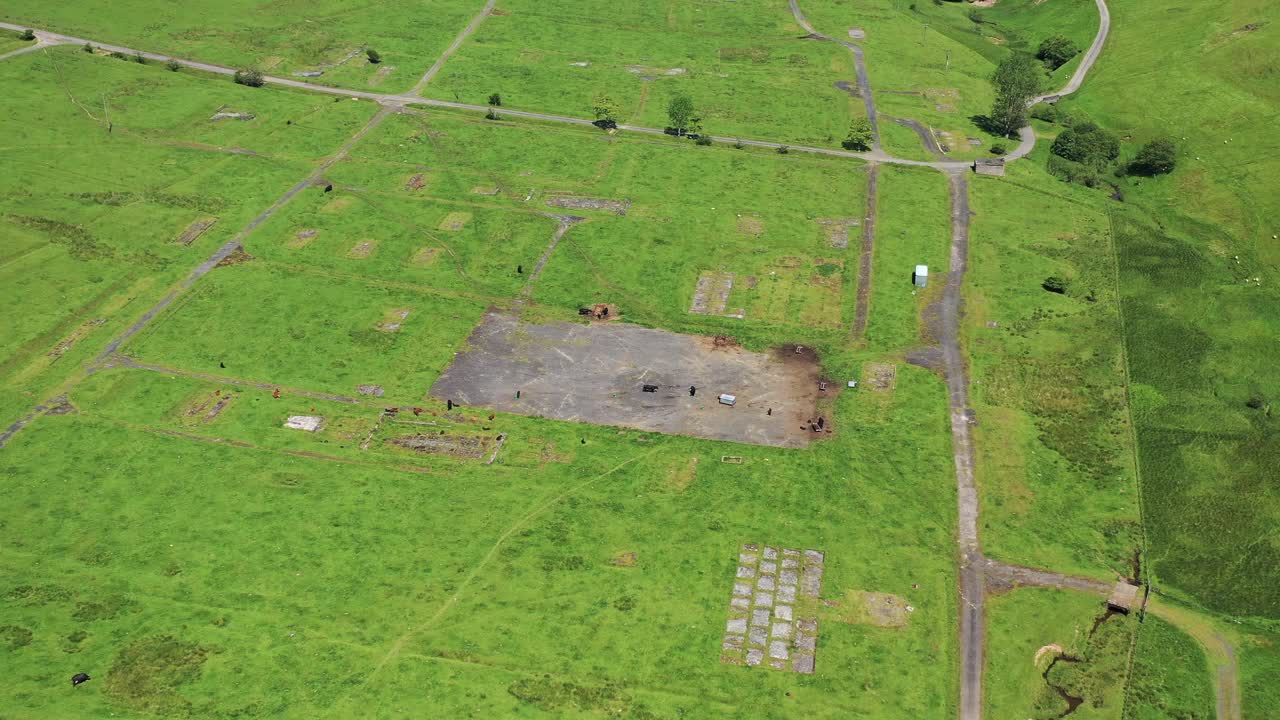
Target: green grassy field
[(744, 64), (170, 537), (280, 38), (91, 217), (1054, 443), (1033, 627)]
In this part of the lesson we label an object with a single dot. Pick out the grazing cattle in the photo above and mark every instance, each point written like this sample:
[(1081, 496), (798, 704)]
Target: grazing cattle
[(692, 391), (79, 678)]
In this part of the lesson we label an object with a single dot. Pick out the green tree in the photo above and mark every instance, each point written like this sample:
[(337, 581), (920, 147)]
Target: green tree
[(250, 76), (860, 135), (1055, 51), (605, 110), (495, 100), (1087, 144), (374, 56), (1156, 157), (681, 113), (139, 58), (1016, 81), (87, 48), (173, 65), (27, 34)]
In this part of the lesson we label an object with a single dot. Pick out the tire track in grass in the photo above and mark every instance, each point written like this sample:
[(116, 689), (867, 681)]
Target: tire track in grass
[(515, 527)]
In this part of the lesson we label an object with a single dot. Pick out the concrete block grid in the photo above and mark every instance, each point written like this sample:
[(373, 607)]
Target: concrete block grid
[(773, 612)]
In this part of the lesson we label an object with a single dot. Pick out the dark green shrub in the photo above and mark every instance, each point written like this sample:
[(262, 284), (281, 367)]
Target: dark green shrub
[(1088, 144), (374, 56), (27, 34), (251, 77), (1056, 51), (173, 65), (495, 100), (1157, 157)]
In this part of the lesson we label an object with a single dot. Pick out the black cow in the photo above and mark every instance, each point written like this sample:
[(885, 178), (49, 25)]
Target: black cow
[(79, 678)]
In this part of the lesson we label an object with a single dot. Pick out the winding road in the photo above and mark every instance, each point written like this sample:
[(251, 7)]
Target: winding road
[(975, 570)]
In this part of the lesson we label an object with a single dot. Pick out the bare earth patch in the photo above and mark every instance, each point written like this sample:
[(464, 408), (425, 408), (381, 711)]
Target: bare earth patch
[(195, 230), (302, 239), (751, 225), (488, 190), (879, 377), (472, 447), (393, 319), (236, 257), (425, 256), (618, 207), (596, 373), (337, 205), (872, 608), (362, 249), (455, 221), (837, 230), (416, 182), (67, 342), (712, 293)]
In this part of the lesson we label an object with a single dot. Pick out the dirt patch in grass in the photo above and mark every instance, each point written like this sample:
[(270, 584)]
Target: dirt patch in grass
[(879, 377), (472, 447), (195, 230), (751, 225), (378, 77), (596, 373), (618, 207), (682, 475), (236, 257), (416, 182), (145, 675), (424, 256), (872, 608), (943, 99), (455, 221), (837, 230), (488, 190), (76, 335), (362, 249), (711, 294), (625, 559), (337, 205), (370, 390), (392, 320), (302, 239), (206, 407)]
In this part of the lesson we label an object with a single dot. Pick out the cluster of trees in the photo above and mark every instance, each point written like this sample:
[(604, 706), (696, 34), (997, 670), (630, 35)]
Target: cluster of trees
[(1056, 51), (1083, 150), (27, 34)]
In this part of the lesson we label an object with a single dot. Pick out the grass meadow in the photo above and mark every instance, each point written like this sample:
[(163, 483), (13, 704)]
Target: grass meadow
[(280, 38), (746, 66), (171, 538), (91, 217), (1054, 441), (200, 560)]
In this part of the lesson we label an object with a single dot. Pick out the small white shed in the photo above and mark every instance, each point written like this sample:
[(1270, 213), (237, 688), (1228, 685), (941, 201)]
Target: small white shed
[(729, 400), (920, 278)]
